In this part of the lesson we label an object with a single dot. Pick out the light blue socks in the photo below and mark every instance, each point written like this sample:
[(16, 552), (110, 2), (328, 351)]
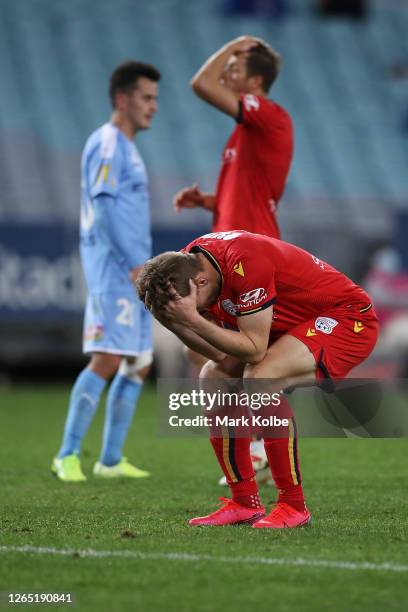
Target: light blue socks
[(85, 396), (120, 408)]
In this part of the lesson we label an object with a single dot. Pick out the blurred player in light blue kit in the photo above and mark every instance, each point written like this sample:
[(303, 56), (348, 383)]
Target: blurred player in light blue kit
[(115, 243)]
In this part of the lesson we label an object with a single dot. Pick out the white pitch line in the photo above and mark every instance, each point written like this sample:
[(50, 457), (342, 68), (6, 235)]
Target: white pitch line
[(175, 556)]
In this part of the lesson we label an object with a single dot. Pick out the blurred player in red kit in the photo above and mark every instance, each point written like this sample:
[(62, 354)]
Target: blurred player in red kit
[(257, 157), (287, 319)]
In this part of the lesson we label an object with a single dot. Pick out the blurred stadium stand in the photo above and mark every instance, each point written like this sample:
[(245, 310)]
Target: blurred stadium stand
[(348, 181)]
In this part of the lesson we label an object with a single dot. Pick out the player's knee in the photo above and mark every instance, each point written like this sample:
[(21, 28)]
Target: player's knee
[(104, 364), (252, 371), (210, 371), (272, 368), (257, 378), (138, 368)]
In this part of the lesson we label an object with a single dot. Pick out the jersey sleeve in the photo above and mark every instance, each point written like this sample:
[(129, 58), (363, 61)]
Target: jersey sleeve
[(251, 277), (257, 112), (106, 167)]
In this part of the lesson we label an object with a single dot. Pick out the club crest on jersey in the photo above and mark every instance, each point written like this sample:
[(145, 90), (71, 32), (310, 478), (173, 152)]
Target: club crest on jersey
[(253, 297), (229, 307), (325, 324), (251, 102)]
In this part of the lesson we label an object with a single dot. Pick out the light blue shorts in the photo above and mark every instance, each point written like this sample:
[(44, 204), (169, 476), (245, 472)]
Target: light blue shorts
[(117, 323)]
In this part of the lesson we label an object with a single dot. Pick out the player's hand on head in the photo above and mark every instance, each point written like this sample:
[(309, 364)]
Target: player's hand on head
[(172, 291), (182, 310), (134, 273), (189, 197), (243, 44), (155, 300)]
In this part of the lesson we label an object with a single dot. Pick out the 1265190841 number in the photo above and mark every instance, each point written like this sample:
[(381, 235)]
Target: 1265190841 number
[(24, 598)]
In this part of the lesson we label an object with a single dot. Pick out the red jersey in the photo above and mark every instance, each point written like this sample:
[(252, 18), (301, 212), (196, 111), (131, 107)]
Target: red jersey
[(258, 271), (255, 167)]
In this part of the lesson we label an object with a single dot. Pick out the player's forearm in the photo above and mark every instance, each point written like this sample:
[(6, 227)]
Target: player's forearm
[(210, 73), (194, 342), (235, 344), (209, 202)]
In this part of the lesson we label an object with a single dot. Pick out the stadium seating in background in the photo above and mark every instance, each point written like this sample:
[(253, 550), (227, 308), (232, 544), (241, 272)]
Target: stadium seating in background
[(349, 173), (272, 9), (57, 56), (349, 8)]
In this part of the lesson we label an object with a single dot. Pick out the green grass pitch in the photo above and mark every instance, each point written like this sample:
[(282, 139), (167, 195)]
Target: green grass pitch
[(356, 490)]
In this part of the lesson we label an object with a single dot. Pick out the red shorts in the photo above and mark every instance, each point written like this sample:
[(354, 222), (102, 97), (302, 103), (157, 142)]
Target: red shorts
[(339, 339)]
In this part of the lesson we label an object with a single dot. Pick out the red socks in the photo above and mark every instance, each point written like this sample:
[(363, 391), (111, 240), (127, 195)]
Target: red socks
[(235, 460), (282, 453), (284, 464)]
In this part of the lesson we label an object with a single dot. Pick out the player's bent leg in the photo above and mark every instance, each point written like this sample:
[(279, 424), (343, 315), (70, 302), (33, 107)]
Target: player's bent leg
[(288, 362), (282, 453), (233, 456), (121, 404), (260, 464), (231, 368)]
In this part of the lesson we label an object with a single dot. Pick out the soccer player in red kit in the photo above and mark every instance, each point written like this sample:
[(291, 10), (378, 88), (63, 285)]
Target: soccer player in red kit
[(258, 154), (256, 158), (299, 322)]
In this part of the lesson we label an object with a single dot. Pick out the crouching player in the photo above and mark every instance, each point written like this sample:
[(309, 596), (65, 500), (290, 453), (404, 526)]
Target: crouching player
[(299, 322)]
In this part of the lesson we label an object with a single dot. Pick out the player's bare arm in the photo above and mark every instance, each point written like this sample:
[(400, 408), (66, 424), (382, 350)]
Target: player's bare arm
[(186, 335), (193, 197), (194, 342), (249, 344), (208, 83)]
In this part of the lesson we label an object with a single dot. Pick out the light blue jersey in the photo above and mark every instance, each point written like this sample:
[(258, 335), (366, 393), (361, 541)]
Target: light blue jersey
[(115, 238), (115, 230)]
